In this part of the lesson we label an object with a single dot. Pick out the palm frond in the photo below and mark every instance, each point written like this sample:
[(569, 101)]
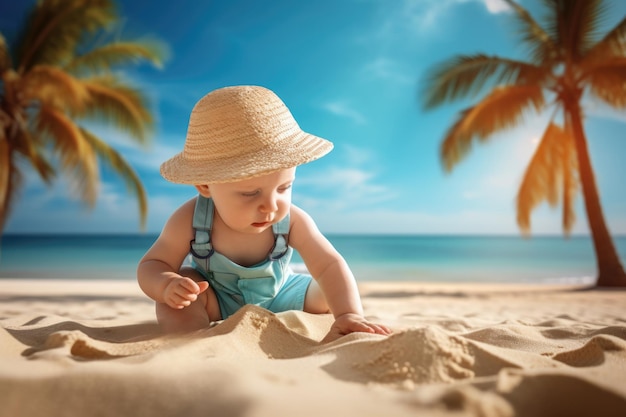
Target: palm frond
[(607, 81), (539, 182), (10, 174), (116, 162), (75, 154), (616, 38), (468, 74), (64, 71), (574, 25), (542, 47), (54, 87), (590, 16), (113, 54), (55, 28), (110, 100), (501, 109), (613, 45), (550, 175), (459, 77), (84, 176), (63, 134), (31, 148), (5, 55)]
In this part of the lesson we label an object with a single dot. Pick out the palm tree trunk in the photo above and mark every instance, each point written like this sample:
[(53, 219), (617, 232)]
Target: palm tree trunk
[(610, 270), (5, 180)]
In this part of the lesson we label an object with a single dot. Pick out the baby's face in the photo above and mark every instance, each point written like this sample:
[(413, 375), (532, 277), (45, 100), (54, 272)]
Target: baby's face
[(253, 205)]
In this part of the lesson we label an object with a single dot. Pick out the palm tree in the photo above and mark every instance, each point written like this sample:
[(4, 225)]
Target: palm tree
[(569, 60), (58, 72)]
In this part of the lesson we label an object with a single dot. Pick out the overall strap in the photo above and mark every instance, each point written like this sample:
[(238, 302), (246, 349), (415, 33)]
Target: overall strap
[(201, 247), (281, 239)]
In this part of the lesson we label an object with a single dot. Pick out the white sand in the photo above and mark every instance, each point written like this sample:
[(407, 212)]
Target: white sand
[(92, 348)]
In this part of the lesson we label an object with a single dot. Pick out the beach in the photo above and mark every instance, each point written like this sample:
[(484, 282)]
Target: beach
[(93, 348)]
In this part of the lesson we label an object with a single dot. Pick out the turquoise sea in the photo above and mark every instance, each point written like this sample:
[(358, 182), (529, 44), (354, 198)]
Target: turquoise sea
[(386, 258)]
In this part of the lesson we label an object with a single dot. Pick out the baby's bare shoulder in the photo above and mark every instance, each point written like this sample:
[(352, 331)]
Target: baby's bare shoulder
[(302, 226), (182, 219), (297, 214)]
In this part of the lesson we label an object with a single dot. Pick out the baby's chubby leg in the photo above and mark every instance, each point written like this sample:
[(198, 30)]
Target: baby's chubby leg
[(198, 315), (314, 301)]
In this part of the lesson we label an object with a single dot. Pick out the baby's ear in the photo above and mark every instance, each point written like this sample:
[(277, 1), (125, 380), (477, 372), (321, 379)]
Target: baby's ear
[(203, 190)]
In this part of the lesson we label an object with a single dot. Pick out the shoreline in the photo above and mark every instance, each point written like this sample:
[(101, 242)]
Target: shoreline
[(489, 259), (127, 286)]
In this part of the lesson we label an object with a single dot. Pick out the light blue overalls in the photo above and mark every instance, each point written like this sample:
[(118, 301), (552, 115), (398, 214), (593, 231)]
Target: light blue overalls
[(270, 284)]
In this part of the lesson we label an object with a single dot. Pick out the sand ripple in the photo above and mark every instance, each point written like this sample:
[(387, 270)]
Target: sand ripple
[(260, 364)]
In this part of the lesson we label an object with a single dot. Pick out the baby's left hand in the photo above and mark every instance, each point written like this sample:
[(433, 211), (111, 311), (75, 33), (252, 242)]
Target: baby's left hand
[(350, 323)]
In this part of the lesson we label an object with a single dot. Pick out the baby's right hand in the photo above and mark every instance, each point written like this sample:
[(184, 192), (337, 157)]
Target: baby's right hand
[(183, 291)]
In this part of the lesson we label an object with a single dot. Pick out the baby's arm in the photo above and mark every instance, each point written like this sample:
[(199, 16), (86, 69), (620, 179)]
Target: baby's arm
[(333, 275), (157, 272)]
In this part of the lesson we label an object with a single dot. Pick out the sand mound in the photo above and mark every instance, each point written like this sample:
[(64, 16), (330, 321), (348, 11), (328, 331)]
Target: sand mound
[(479, 352)]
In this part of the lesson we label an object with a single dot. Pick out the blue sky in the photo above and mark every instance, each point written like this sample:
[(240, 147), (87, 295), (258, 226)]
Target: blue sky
[(350, 71)]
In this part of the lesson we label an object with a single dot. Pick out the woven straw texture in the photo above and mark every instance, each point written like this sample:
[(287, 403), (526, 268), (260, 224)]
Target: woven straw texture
[(241, 132)]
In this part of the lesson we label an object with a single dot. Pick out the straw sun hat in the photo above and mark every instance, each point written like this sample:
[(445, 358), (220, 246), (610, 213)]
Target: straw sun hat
[(241, 132)]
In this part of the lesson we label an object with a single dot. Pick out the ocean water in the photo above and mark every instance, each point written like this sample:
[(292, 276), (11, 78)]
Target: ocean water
[(384, 258)]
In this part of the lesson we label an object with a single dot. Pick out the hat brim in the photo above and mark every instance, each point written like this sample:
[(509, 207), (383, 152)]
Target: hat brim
[(298, 149)]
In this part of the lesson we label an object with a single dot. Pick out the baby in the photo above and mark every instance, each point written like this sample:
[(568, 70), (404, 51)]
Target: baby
[(241, 153)]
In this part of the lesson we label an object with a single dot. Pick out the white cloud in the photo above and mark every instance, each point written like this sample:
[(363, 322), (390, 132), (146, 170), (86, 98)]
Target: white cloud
[(594, 107), (342, 177), (494, 169), (41, 209), (153, 157), (496, 6), (56, 208), (357, 156), (470, 195), (410, 16), (476, 222), (413, 222), (351, 185), (389, 70), (428, 13), (345, 190), (343, 109), (148, 156), (424, 15), (350, 178)]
